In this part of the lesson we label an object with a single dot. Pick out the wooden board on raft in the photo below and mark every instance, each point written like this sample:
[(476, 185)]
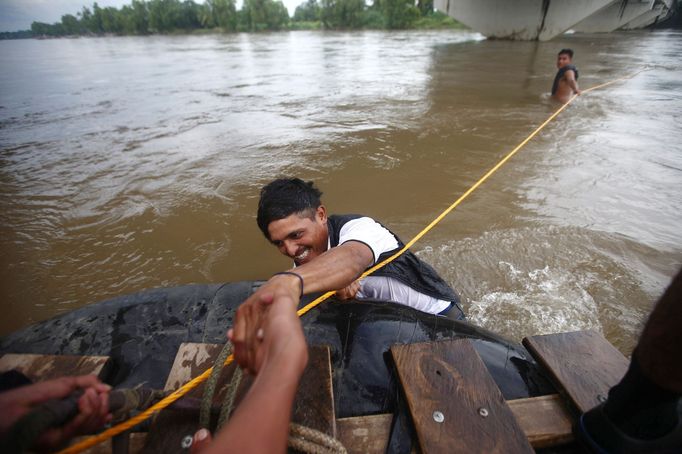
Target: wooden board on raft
[(545, 420), (313, 405), (135, 444), (454, 402), (365, 434), (45, 367), (583, 364)]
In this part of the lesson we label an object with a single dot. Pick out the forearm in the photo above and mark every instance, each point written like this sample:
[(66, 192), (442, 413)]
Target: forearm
[(573, 84), (261, 422), (336, 268)]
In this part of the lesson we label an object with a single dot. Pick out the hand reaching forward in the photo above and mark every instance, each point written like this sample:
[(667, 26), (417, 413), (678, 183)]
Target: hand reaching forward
[(269, 343), (267, 328)]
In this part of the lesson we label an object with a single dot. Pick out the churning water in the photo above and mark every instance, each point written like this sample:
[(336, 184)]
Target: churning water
[(132, 163)]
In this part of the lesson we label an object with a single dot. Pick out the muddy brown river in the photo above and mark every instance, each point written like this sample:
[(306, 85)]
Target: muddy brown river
[(135, 162)]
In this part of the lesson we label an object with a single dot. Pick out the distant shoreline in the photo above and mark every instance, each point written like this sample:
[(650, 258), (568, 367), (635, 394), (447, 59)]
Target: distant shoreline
[(217, 31), (434, 21)]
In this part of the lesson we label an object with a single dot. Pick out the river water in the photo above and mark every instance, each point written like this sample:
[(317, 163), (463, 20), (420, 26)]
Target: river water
[(131, 163)]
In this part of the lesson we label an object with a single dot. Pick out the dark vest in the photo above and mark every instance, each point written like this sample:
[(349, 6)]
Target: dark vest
[(560, 74), (407, 268)]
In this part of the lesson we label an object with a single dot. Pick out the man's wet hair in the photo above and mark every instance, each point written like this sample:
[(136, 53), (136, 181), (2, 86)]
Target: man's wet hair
[(284, 197), (568, 52)]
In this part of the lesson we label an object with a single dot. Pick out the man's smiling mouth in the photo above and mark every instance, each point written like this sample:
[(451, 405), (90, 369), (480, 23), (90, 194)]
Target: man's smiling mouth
[(300, 257)]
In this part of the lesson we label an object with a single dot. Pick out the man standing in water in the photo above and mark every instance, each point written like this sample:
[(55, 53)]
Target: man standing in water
[(330, 253), (566, 79)]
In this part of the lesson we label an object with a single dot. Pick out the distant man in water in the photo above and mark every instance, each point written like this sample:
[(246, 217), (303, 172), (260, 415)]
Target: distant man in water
[(566, 79)]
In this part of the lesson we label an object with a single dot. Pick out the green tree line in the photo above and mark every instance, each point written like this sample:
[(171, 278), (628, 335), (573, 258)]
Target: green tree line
[(142, 17), (166, 16)]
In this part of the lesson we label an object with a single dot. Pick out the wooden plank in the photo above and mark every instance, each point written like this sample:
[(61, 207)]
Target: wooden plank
[(135, 444), (99, 448), (449, 379), (170, 427), (313, 405), (46, 367), (314, 402), (583, 364), (365, 434), (545, 420), (191, 360)]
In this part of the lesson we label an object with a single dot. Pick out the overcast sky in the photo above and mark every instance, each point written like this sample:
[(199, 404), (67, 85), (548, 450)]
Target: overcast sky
[(18, 14)]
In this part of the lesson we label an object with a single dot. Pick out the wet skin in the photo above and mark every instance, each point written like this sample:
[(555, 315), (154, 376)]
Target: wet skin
[(567, 85)]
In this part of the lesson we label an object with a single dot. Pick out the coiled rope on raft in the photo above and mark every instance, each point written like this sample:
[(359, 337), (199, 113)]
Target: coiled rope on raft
[(187, 387), (301, 438)]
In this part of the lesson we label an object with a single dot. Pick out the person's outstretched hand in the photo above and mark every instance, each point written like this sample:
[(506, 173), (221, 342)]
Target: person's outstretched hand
[(268, 342), (266, 326)]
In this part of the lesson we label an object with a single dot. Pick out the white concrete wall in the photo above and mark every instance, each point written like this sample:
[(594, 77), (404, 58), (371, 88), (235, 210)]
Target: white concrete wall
[(520, 19), (614, 16)]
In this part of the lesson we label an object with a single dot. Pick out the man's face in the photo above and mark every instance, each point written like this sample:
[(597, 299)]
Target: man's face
[(300, 237), (563, 60)]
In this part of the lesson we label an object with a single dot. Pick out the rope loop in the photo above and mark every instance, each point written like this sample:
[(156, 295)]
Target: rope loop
[(313, 441), (209, 387)]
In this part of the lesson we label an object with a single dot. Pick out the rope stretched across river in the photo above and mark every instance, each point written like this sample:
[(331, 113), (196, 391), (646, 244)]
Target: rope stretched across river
[(187, 387)]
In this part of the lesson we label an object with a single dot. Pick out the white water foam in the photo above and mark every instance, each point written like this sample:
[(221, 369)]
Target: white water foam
[(539, 280)]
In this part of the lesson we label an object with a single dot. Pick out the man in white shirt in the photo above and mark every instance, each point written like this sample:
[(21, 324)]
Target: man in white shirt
[(330, 253)]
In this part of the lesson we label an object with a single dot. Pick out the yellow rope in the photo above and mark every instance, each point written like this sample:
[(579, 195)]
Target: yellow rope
[(187, 387), (465, 195)]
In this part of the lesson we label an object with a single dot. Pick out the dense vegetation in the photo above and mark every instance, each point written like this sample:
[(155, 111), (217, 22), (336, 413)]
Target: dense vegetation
[(171, 16)]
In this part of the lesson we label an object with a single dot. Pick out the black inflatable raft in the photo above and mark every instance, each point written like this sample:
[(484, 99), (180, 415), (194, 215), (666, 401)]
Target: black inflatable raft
[(142, 332)]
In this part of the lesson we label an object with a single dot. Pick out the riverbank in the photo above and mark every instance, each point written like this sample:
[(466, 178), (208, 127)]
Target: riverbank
[(370, 20), (433, 21)]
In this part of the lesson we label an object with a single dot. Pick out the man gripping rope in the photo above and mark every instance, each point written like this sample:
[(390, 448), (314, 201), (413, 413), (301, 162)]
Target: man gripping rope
[(331, 252)]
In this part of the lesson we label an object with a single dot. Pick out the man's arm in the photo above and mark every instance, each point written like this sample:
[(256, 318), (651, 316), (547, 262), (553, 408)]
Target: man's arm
[(572, 82), (280, 354), (334, 269)]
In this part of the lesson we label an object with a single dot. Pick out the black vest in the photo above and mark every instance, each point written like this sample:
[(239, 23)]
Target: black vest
[(407, 268), (560, 73)]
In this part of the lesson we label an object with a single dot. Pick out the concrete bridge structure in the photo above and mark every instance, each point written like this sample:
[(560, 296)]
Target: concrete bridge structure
[(660, 12), (544, 19)]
